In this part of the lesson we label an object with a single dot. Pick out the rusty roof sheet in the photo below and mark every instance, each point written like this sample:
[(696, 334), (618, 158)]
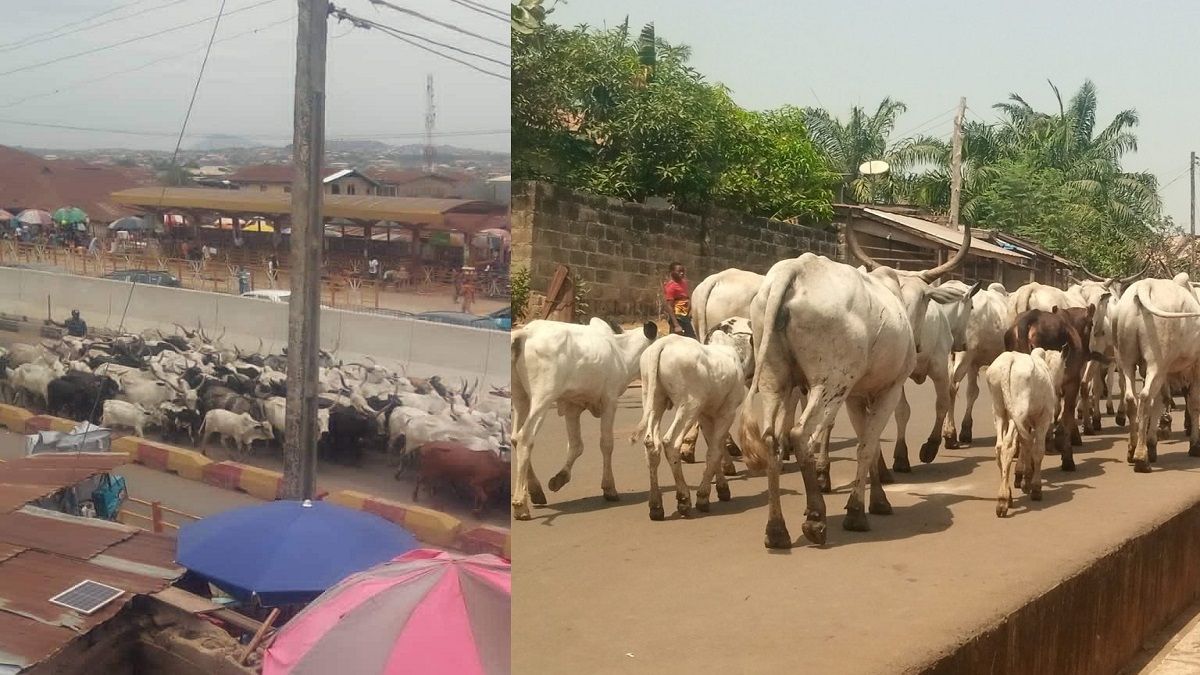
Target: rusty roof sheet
[(946, 236), (24, 643), (29, 478), (28, 181), (9, 550), (13, 497), (147, 548), (69, 536)]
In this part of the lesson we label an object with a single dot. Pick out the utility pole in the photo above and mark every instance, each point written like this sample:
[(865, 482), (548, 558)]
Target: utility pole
[(1192, 239), (956, 162), (304, 307)]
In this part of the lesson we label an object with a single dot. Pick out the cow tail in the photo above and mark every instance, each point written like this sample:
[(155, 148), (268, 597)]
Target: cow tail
[(1140, 298), (775, 320), (649, 390)]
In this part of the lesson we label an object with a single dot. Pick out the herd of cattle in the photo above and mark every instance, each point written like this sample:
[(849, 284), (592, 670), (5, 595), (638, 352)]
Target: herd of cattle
[(192, 386), (783, 352)]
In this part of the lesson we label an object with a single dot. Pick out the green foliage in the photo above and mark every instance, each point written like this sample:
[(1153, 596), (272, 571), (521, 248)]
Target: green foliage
[(582, 290), (519, 292), (621, 115), (528, 16)]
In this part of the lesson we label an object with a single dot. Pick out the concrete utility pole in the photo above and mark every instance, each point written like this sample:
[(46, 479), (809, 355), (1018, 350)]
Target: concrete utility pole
[(304, 317), (1192, 171), (956, 162)]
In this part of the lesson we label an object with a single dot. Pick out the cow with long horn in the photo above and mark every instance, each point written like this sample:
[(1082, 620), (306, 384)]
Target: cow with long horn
[(847, 336)]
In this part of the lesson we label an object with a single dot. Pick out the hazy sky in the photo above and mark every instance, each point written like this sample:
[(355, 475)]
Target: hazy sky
[(928, 54), (375, 83)]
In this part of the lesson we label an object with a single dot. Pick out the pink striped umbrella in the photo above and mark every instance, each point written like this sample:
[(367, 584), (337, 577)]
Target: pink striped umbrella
[(426, 611)]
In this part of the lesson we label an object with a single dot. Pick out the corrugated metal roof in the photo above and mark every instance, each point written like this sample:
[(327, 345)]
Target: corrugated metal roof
[(413, 210), (43, 553), (948, 236)]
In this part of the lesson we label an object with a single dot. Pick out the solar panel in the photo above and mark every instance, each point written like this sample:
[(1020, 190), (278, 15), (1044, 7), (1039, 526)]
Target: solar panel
[(87, 596)]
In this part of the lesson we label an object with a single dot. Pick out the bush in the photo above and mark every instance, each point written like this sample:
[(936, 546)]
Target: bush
[(519, 292)]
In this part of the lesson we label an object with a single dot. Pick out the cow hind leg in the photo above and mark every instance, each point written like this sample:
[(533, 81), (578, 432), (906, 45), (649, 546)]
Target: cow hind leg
[(574, 447), (714, 429), (941, 387), (968, 420), (522, 450), (687, 451), (957, 371), (868, 417), (1006, 449), (685, 420), (900, 463)]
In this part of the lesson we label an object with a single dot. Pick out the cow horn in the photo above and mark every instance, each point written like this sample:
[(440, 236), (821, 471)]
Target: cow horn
[(856, 249), (1093, 275), (1132, 278), (930, 276)]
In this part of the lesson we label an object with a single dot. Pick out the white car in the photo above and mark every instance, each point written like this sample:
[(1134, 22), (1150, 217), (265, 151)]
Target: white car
[(270, 295)]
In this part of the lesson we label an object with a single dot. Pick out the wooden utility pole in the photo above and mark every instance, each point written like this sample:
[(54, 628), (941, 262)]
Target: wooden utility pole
[(304, 308), (956, 162), (1192, 239)]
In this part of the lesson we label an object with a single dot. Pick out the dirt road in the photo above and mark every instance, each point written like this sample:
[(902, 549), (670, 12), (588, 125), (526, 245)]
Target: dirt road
[(602, 589)]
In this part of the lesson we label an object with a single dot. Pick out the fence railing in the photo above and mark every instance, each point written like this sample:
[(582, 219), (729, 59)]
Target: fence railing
[(347, 289), (153, 516)]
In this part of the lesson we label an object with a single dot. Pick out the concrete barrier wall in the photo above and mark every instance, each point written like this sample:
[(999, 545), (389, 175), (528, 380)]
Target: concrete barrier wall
[(422, 347), (1095, 622)]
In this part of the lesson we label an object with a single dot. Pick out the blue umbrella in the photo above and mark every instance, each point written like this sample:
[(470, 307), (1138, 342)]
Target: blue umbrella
[(287, 552)]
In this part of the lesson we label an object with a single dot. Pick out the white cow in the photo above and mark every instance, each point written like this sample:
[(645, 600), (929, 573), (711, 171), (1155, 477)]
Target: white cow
[(1156, 326), (127, 415), (848, 335), (578, 368), (705, 383), (241, 428), (722, 296), (1040, 296), (990, 318), (33, 379), (1025, 397)]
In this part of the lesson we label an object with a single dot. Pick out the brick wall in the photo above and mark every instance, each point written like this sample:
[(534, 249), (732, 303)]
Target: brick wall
[(621, 250)]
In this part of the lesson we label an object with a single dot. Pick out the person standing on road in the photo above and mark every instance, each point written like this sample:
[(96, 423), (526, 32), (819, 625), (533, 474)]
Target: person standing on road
[(679, 302)]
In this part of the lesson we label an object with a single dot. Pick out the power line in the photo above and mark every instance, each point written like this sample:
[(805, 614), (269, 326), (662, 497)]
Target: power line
[(367, 24), (131, 40), (170, 134), (102, 23), (36, 36), (92, 80), (443, 24), (484, 10), (934, 121)]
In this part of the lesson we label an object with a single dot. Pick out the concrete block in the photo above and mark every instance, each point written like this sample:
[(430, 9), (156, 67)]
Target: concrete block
[(486, 539), (128, 445), (14, 419), (434, 527), (151, 455), (351, 499), (226, 475), (10, 325), (185, 463), (262, 483)]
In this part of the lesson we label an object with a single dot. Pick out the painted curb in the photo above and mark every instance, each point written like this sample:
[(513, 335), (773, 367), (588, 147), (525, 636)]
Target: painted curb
[(428, 525), (14, 419)]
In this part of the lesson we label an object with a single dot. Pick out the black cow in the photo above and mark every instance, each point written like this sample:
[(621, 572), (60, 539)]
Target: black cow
[(80, 396), (349, 431)]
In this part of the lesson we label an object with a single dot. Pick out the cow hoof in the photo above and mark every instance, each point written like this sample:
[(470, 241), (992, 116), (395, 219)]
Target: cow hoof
[(610, 495), (1019, 482), (1120, 420), (1068, 464), (702, 504), (1129, 457), (1140, 466), (929, 450), (951, 442), (856, 521), (777, 535), (814, 531), (1097, 425), (688, 457), (537, 496), (1152, 452), (823, 481), (964, 436), (733, 449), (723, 493), (1076, 439), (520, 512), (901, 465), (1036, 494), (880, 508), (1001, 507), (560, 479), (729, 470), (1194, 450), (683, 504), (656, 512)]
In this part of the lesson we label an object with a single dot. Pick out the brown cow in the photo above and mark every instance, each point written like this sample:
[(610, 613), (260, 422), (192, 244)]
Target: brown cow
[(482, 470), (1068, 331)]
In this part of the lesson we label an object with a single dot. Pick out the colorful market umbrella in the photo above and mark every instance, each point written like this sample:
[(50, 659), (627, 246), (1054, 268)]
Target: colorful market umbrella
[(70, 215), (5, 216), (129, 224), (424, 612), (286, 552), (35, 217)]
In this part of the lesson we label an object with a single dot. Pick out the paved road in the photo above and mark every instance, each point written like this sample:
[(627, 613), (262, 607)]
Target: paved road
[(602, 589)]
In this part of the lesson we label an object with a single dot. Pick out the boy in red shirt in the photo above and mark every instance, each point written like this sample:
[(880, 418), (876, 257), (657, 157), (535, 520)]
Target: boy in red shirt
[(679, 302)]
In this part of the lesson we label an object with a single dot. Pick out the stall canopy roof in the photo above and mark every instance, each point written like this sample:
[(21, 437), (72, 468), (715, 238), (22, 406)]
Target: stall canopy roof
[(404, 210)]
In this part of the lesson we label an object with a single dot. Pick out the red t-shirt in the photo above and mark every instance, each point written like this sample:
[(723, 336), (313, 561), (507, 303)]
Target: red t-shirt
[(677, 294)]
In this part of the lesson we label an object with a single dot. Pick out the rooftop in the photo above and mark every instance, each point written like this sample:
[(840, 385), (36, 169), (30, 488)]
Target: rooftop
[(410, 210), (43, 553), (943, 235), (29, 181)]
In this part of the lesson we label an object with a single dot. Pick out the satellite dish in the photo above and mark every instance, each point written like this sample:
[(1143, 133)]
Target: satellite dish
[(873, 167)]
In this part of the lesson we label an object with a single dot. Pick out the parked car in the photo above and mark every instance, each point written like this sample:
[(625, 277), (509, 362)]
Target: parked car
[(146, 277), (462, 319), (503, 318), (270, 295)]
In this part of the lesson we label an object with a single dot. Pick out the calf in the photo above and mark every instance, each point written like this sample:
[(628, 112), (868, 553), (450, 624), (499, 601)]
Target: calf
[(240, 427), (575, 368), (127, 415), (705, 383), (483, 470), (179, 421), (1025, 395), (1067, 331)]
